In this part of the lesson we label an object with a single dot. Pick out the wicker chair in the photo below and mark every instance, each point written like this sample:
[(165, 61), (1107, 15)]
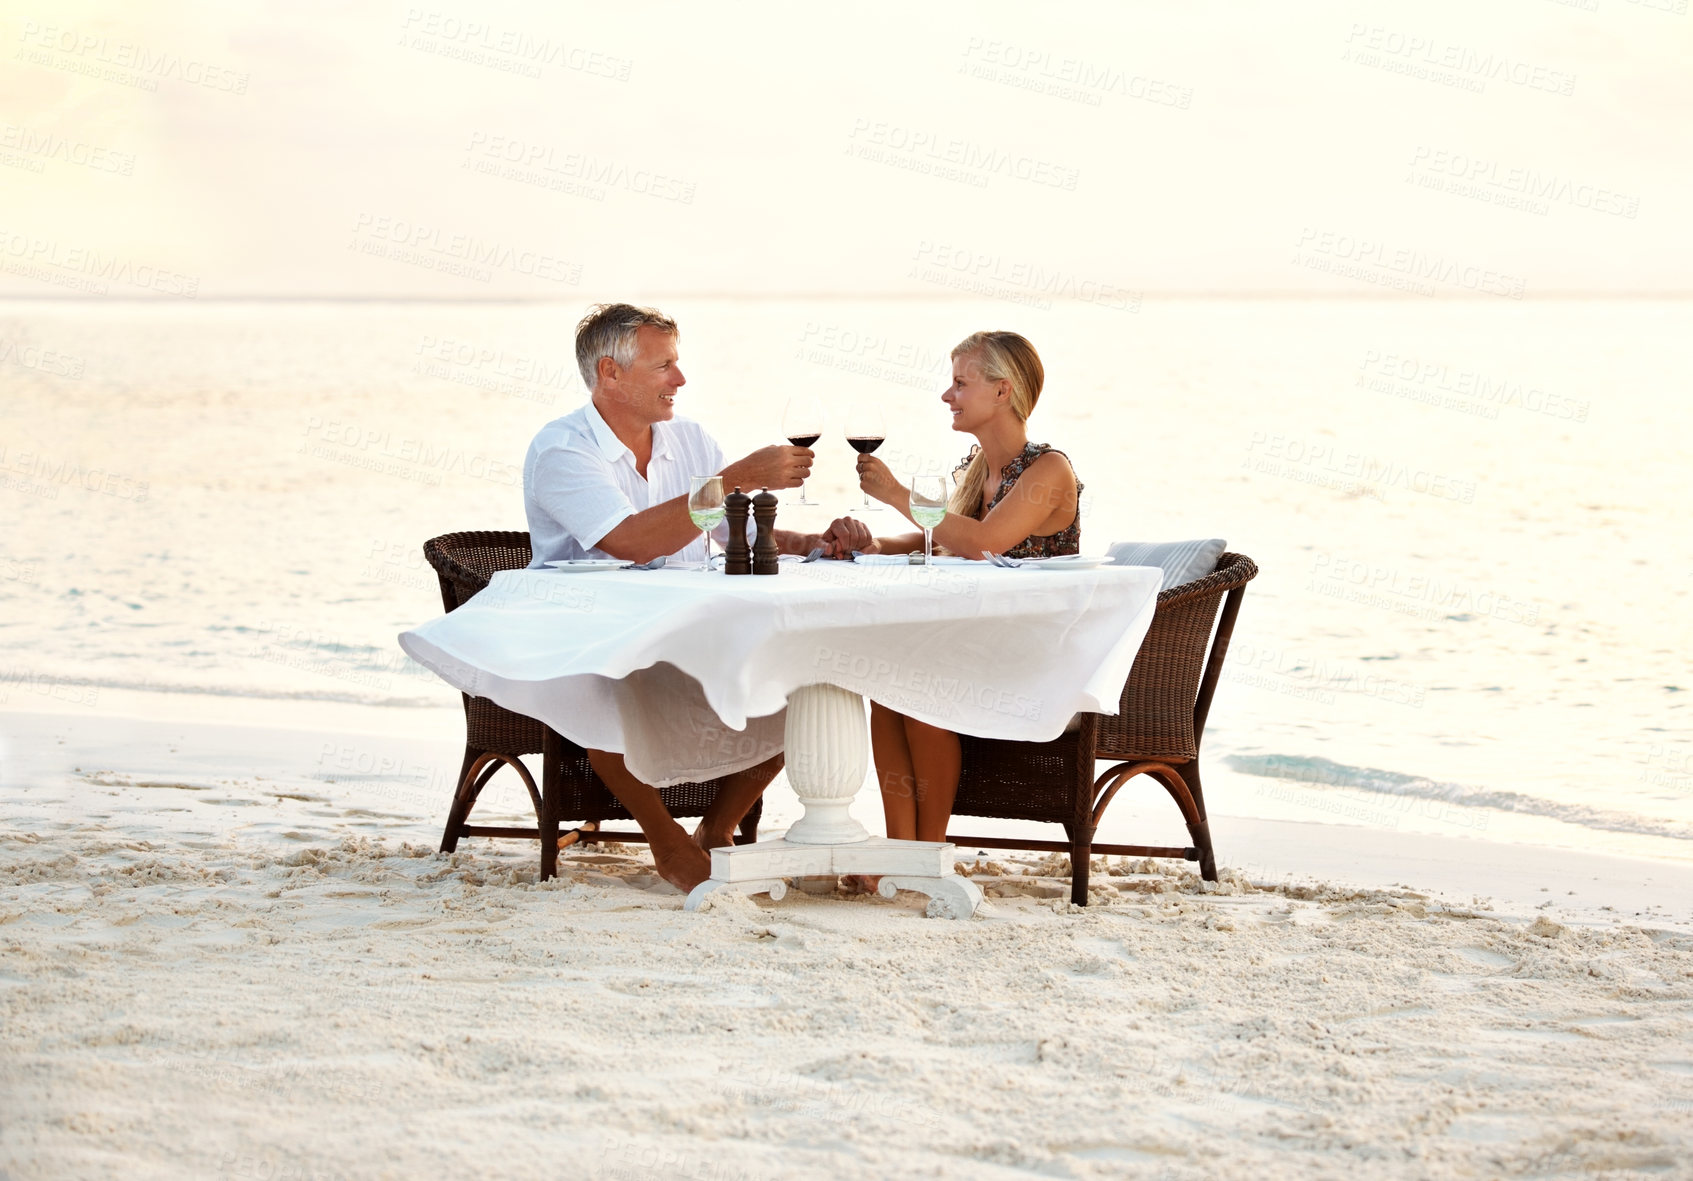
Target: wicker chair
[(496, 737), (1156, 732)]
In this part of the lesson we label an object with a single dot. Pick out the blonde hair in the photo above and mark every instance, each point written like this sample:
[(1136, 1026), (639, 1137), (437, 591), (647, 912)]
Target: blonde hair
[(999, 356)]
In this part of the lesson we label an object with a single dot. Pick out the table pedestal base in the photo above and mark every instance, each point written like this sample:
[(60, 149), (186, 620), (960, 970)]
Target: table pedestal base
[(923, 866)]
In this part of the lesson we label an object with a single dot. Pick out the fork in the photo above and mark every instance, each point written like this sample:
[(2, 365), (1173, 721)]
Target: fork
[(997, 560)]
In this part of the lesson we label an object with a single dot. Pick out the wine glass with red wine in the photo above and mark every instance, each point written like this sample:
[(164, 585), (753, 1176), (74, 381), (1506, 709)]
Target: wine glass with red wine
[(864, 433), (803, 424)]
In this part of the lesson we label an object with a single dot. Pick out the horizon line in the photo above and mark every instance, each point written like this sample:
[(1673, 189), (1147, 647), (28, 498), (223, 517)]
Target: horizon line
[(906, 296)]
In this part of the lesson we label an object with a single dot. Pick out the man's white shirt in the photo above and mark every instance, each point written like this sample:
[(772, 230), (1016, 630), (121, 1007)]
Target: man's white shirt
[(580, 482)]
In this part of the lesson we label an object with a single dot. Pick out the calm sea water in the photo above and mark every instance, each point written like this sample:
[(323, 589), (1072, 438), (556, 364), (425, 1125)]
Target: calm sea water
[(1472, 517)]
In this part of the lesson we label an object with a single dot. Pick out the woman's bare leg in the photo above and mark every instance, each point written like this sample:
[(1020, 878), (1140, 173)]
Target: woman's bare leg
[(936, 761), (894, 771), (894, 777)]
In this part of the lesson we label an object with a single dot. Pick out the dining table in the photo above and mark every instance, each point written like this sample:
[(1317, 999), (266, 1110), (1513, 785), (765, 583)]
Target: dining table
[(692, 674)]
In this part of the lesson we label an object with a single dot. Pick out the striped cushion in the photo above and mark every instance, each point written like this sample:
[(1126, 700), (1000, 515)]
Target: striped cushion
[(1181, 561)]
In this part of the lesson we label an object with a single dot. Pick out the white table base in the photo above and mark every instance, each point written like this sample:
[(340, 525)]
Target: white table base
[(827, 755), (765, 867)]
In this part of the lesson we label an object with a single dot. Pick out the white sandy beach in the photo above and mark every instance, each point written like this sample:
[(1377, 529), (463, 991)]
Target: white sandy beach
[(1453, 804), (273, 974), (1393, 297)]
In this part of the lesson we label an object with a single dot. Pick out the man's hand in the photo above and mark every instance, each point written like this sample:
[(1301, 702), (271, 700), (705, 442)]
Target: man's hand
[(845, 535), (778, 466)]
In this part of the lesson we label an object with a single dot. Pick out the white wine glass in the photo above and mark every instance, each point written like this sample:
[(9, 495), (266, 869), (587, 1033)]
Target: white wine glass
[(802, 423), (928, 509), (864, 433), (705, 508)]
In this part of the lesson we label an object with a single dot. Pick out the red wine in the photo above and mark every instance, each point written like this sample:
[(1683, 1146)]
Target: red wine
[(865, 444), (804, 440)]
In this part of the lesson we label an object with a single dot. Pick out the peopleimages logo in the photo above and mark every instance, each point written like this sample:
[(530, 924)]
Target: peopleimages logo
[(1509, 184), (515, 158), (1413, 269), (29, 356), (928, 687), (949, 157), (380, 450), (1439, 383), (140, 65), (1314, 462), (1418, 593), (1072, 78), (41, 146), (57, 471), (1014, 280), (435, 248), (85, 268), (1431, 58), (482, 366), (512, 50)]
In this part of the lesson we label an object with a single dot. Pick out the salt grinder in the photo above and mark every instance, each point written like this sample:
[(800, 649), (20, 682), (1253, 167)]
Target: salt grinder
[(764, 552), (735, 506)]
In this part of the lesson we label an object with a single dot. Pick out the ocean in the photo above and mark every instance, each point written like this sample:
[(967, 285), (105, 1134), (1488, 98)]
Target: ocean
[(1471, 516)]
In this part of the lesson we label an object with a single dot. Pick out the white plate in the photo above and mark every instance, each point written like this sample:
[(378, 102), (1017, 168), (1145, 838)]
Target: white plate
[(1073, 562), (588, 565), (905, 560)]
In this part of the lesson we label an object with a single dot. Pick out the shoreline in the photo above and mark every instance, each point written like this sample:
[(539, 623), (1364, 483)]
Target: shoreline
[(400, 764)]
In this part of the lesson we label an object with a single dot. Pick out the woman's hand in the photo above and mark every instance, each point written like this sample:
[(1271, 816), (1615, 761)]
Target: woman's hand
[(878, 481)]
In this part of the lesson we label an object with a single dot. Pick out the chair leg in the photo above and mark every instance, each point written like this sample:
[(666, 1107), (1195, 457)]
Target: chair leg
[(464, 798), (547, 819), (1081, 853), (1189, 772), (1201, 832), (1182, 783), (1175, 782)]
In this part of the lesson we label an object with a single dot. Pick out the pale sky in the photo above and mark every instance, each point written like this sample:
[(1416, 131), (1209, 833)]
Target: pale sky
[(1091, 150)]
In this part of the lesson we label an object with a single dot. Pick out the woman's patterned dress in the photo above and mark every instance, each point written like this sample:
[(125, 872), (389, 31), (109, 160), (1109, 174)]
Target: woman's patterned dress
[(1052, 545)]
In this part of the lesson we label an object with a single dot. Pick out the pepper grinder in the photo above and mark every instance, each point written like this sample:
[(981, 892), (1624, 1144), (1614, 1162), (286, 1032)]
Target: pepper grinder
[(739, 556), (764, 552)]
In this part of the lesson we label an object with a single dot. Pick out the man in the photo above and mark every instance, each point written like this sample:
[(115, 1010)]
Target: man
[(611, 479)]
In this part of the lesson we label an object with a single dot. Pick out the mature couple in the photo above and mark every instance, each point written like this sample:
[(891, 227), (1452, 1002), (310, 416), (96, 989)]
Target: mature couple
[(611, 479)]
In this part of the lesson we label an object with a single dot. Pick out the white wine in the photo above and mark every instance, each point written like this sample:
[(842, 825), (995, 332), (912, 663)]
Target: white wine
[(928, 508), (706, 519)]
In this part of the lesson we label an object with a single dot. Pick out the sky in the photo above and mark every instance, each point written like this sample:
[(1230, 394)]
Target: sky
[(1090, 151)]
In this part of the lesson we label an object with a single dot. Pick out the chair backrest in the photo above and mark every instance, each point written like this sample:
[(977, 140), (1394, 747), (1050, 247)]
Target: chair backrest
[(1169, 690), (465, 562)]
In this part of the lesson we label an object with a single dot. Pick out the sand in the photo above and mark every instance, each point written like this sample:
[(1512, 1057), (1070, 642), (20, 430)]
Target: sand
[(243, 975)]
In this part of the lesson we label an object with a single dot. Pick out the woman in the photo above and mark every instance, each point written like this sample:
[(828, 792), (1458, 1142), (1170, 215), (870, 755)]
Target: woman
[(1013, 497)]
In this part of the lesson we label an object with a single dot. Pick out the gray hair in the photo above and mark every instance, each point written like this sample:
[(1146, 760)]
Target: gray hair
[(608, 330)]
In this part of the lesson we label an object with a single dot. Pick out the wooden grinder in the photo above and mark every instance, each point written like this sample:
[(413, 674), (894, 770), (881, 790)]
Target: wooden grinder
[(764, 551), (739, 556)]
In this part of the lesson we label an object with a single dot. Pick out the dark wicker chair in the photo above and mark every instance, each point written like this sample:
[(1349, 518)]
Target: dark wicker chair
[(496, 737), (1156, 732)]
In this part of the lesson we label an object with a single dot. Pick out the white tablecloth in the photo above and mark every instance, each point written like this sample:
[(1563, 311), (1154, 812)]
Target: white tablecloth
[(688, 673)]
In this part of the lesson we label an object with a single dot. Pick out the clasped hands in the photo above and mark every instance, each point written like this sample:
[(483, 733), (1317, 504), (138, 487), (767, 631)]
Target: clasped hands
[(845, 535), (787, 467)]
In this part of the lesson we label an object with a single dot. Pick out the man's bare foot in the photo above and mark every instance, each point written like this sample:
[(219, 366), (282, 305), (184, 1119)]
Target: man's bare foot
[(682, 863), (714, 838), (860, 883)]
